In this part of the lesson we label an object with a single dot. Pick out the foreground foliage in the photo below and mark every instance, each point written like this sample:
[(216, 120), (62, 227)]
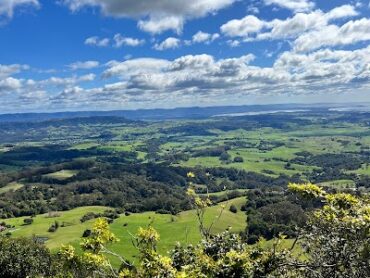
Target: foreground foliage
[(334, 243)]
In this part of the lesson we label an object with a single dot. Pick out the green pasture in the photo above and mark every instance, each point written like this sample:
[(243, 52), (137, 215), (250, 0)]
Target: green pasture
[(11, 186), (339, 184), (62, 175), (181, 228)]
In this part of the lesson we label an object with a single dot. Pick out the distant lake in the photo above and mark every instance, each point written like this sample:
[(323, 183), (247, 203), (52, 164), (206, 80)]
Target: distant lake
[(260, 113)]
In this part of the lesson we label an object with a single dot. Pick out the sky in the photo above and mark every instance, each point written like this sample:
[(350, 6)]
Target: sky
[(70, 55)]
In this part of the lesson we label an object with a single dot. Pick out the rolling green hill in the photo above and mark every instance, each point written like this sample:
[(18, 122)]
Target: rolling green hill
[(180, 228)]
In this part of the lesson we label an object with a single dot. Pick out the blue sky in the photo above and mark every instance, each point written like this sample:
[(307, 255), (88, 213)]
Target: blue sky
[(123, 54)]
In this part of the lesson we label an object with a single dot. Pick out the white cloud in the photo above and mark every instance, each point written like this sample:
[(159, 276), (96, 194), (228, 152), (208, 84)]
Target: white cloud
[(127, 41), (349, 33), (191, 61), (7, 7), (169, 43), (326, 67), (10, 84), (73, 92), (233, 43), (66, 81), (341, 12), (134, 67), (157, 25), (96, 41), (155, 16), (203, 75), (84, 65), (294, 5), (252, 28), (157, 82), (253, 9), (243, 27), (202, 37), (8, 70)]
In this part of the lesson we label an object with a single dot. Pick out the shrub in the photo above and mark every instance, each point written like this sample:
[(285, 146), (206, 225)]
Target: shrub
[(238, 159), (233, 209), (86, 233), (54, 227), (224, 156), (88, 216), (27, 221)]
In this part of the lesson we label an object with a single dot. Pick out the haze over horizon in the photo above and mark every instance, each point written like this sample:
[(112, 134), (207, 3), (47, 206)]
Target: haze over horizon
[(72, 55)]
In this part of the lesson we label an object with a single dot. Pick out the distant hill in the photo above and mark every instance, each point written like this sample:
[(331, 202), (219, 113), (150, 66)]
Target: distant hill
[(176, 113)]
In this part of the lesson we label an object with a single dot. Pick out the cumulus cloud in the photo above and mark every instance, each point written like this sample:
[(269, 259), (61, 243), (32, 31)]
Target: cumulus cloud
[(169, 43), (157, 25), (202, 37), (349, 33), (159, 81), (244, 27), (96, 41), (7, 7), (191, 62), (233, 43), (83, 65), (294, 5), (316, 62), (252, 28), (126, 41), (134, 67), (61, 82), (10, 84), (204, 75), (154, 16)]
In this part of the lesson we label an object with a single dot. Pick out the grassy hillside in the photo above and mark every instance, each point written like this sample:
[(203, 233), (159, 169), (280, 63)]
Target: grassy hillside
[(180, 228), (72, 231), (11, 186)]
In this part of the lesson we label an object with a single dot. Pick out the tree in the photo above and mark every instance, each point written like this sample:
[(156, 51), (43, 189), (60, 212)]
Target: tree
[(24, 258), (337, 237)]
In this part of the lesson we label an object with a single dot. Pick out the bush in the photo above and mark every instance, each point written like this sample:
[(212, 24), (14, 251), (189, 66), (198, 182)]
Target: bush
[(112, 214), (88, 216), (54, 227), (110, 220), (233, 209), (86, 233), (27, 221), (224, 156), (163, 211), (238, 159)]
